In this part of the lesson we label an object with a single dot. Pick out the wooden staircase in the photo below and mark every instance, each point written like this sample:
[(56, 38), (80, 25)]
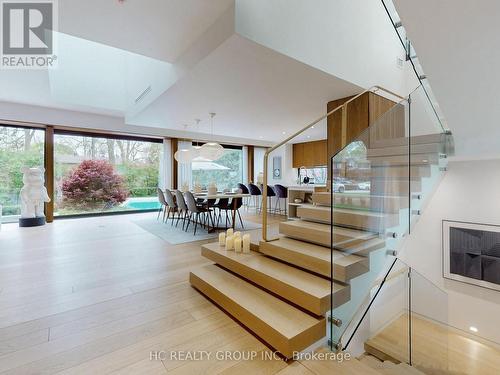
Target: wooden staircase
[(283, 288)]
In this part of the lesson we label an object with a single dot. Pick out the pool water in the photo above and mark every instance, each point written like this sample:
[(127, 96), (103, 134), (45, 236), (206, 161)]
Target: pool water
[(142, 205)]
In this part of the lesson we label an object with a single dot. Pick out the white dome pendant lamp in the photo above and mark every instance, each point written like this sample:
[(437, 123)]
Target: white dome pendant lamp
[(211, 150), (185, 155)]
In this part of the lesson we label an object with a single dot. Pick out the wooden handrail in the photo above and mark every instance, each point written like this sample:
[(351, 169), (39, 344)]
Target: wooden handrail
[(344, 140)]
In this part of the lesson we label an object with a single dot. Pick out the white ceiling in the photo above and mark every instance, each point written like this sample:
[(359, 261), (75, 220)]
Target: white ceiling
[(459, 49), (256, 92), (161, 29)]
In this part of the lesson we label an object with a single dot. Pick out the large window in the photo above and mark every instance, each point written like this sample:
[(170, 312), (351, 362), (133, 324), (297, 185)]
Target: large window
[(19, 147), (99, 174), (225, 172)]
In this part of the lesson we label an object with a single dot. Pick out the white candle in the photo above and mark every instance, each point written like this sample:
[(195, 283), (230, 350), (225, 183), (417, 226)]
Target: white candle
[(230, 243), (246, 243), (237, 234), (222, 239), (230, 232), (237, 244)]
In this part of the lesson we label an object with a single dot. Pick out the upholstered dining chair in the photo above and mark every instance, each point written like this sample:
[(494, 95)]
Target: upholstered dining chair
[(244, 190), (172, 206), (182, 208), (163, 204), (193, 209), (270, 195)]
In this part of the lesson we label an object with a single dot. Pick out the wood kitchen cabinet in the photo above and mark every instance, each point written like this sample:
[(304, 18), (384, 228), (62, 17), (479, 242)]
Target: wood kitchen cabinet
[(310, 154), (362, 113)]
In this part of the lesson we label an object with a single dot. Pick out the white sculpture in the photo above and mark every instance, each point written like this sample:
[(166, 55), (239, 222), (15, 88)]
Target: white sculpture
[(33, 194)]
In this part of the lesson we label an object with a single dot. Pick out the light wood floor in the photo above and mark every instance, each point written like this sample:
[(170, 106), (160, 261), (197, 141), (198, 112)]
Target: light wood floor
[(97, 295)]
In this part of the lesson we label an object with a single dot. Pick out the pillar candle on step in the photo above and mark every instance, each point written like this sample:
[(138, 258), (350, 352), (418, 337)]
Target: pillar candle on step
[(229, 243), (237, 244), (222, 239), (246, 243), (229, 232)]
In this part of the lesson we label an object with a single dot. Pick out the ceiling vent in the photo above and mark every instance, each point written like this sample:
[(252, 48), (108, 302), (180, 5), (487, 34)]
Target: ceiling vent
[(143, 94)]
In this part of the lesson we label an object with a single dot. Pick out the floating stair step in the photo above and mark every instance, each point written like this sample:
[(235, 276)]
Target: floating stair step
[(394, 187), (402, 160), (387, 171), (300, 287), (316, 258), (415, 171), (365, 201), (365, 248), (319, 234), (284, 327), (424, 148), (402, 141), (366, 220)]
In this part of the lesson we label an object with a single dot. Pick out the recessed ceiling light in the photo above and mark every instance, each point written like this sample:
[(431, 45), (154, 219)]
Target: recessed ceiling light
[(473, 329), (308, 136), (312, 127), (283, 133)]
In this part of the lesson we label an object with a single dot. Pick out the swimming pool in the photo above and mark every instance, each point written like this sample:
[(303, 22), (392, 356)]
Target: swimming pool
[(145, 203)]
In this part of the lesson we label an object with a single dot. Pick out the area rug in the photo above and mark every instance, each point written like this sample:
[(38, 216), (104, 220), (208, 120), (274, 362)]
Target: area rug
[(175, 235)]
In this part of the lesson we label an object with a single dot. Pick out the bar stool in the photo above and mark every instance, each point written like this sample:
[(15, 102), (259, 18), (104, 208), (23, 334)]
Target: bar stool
[(255, 193), (270, 194), (281, 193)]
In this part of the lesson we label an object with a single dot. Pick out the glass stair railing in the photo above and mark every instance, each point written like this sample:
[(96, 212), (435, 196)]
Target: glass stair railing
[(380, 184)]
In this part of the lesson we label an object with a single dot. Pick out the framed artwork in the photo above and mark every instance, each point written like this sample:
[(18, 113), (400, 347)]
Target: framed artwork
[(471, 253), (277, 168)]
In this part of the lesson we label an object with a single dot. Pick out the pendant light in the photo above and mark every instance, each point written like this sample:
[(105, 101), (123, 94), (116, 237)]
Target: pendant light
[(185, 155), (211, 150)]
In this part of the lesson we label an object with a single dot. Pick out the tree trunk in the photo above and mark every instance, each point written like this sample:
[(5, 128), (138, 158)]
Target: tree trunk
[(111, 151)]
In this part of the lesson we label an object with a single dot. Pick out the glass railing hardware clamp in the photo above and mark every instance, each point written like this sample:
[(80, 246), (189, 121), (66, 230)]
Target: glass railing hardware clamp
[(443, 156), (417, 196), (392, 234), (443, 169), (416, 212), (422, 77), (335, 345), (398, 24), (393, 253), (335, 321)]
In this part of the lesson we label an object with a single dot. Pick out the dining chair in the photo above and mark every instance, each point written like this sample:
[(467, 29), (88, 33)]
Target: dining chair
[(255, 192), (235, 206), (222, 205), (172, 206), (163, 204), (193, 209), (281, 193), (244, 190), (182, 207)]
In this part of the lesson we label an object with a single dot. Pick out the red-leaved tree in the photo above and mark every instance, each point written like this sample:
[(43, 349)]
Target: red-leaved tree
[(94, 184)]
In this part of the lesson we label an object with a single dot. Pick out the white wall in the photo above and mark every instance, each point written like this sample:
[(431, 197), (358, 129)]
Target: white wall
[(352, 40), (469, 192)]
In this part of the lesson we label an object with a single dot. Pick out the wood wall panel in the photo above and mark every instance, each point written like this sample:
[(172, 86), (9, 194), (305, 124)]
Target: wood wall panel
[(49, 172), (388, 122), (250, 165), (175, 177), (310, 154)]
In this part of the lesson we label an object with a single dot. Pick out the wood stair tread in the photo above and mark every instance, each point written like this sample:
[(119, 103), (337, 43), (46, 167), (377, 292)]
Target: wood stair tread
[(316, 258), (319, 233), (283, 326), (306, 290), (420, 148), (355, 218)]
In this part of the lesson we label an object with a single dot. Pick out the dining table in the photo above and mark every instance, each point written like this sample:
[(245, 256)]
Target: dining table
[(221, 195)]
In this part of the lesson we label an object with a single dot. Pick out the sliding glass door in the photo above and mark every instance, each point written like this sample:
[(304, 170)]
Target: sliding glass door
[(19, 147), (101, 174), (225, 172)]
